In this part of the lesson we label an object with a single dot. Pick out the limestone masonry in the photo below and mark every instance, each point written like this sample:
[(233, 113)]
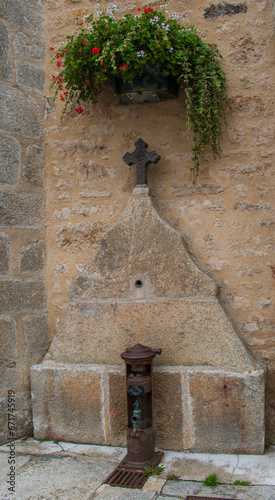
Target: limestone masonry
[(64, 189)]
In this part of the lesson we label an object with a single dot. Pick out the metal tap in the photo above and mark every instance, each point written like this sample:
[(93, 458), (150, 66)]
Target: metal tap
[(136, 419)]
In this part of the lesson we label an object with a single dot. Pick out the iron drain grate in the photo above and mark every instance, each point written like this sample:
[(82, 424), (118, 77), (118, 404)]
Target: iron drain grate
[(194, 497), (124, 477)]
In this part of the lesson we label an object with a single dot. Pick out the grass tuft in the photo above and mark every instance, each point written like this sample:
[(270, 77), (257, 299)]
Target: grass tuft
[(211, 480), (172, 477), (241, 483)]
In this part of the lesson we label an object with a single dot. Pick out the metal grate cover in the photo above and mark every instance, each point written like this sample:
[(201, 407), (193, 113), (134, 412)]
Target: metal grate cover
[(194, 497), (125, 477)]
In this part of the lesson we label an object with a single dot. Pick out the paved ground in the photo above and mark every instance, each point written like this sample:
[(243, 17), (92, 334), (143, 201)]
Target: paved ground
[(68, 471)]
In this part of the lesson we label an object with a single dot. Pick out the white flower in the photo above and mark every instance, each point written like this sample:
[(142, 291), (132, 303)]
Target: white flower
[(111, 7), (175, 15)]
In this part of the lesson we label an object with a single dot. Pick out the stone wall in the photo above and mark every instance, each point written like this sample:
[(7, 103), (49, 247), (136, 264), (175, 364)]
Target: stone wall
[(24, 329), (226, 218)]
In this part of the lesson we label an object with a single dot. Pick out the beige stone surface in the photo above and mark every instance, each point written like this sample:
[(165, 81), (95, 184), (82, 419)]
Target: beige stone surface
[(141, 246), (227, 411), (189, 332), (226, 219), (67, 403), (118, 408), (175, 309), (169, 414)]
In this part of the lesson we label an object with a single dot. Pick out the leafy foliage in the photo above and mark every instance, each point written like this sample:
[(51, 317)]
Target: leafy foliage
[(125, 47), (211, 480), (154, 470), (241, 483)]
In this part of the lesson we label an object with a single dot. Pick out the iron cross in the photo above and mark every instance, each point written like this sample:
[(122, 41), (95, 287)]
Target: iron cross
[(141, 158)]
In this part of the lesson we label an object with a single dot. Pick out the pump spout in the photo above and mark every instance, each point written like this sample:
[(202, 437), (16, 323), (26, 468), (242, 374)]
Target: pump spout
[(136, 419)]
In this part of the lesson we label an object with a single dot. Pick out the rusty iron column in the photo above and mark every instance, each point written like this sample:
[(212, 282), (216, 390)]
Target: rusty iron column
[(140, 430)]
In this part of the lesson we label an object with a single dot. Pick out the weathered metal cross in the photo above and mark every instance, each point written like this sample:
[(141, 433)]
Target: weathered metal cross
[(141, 158)]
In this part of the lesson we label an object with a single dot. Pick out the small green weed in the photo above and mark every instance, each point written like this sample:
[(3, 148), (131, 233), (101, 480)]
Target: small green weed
[(211, 480), (154, 470), (241, 483), (172, 477)]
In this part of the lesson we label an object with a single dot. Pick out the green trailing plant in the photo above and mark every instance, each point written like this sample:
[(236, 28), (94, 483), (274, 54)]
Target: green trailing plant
[(154, 470), (211, 480), (108, 47)]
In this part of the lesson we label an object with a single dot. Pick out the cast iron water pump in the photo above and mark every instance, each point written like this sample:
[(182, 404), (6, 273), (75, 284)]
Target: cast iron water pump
[(140, 430)]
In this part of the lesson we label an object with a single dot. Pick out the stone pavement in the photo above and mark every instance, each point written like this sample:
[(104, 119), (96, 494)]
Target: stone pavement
[(69, 471)]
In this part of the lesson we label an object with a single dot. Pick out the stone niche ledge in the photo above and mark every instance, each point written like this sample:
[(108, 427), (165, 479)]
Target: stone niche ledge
[(200, 408)]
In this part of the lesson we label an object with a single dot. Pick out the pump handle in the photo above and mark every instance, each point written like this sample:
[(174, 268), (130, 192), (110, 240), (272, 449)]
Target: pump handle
[(157, 351)]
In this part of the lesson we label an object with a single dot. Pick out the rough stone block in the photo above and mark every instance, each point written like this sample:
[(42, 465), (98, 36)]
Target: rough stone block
[(79, 237), (19, 113), (224, 9), (118, 408), (27, 16), (202, 188), (4, 437), (4, 253), (32, 257), (21, 210), (30, 76), (9, 160), (168, 412), (19, 296), (23, 412), (188, 332), (5, 67), (38, 337), (35, 165), (227, 410), (260, 206), (27, 46), (8, 354), (67, 403)]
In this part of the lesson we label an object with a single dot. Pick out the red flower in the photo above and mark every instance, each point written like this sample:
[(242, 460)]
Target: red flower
[(58, 64), (62, 98), (58, 80), (79, 110), (148, 9), (53, 77), (138, 9), (122, 67), (84, 42), (59, 55), (95, 50), (65, 93), (51, 48), (105, 26), (66, 48)]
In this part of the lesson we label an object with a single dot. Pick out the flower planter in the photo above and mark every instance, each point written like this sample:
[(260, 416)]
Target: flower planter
[(153, 85)]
